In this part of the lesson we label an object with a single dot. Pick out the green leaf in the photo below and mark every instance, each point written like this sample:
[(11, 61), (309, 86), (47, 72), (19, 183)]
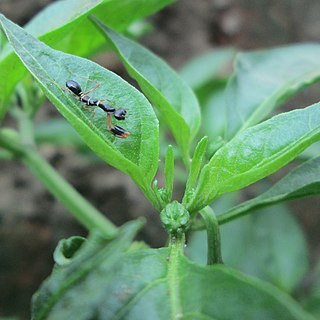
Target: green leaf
[(138, 154), (163, 87), (155, 284), (117, 14), (300, 182), (256, 153), (264, 79), (269, 244), (206, 67), (64, 25)]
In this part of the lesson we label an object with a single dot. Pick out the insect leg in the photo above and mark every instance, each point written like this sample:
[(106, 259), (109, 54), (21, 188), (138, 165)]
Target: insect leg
[(116, 130)]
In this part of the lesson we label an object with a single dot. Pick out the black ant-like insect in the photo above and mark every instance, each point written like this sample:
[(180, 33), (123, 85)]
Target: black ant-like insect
[(119, 114)]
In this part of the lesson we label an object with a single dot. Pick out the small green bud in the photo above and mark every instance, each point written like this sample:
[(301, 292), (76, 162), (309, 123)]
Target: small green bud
[(175, 218)]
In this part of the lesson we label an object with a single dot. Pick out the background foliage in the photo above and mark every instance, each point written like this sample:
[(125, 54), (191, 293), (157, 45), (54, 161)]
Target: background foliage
[(210, 94)]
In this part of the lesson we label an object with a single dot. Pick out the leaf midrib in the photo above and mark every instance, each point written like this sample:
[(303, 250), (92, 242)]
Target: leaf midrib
[(172, 279)]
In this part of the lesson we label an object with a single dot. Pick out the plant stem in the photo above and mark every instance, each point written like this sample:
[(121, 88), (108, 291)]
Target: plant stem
[(81, 209), (66, 194), (176, 245), (213, 236)]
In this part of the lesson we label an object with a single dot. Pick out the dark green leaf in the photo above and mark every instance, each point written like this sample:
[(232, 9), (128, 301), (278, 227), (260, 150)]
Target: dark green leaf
[(268, 244), (94, 254), (138, 154), (265, 79), (256, 153), (164, 88), (301, 182), (311, 303), (155, 284), (64, 26)]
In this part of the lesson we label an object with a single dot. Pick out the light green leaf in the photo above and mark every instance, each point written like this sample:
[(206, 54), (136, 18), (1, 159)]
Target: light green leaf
[(264, 79), (138, 154), (117, 14), (64, 26), (256, 153), (206, 67), (208, 75), (214, 112), (57, 131), (164, 88), (301, 182), (105, 281)]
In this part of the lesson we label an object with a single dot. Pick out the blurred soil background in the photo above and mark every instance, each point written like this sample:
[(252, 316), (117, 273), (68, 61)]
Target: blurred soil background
[(32, 221)]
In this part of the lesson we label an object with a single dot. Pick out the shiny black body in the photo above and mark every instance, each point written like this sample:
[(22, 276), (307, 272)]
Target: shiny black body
[(119, 114), (74, 87)]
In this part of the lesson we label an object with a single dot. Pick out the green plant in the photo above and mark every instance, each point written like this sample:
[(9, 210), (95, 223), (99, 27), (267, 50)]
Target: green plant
[(109, 276)]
